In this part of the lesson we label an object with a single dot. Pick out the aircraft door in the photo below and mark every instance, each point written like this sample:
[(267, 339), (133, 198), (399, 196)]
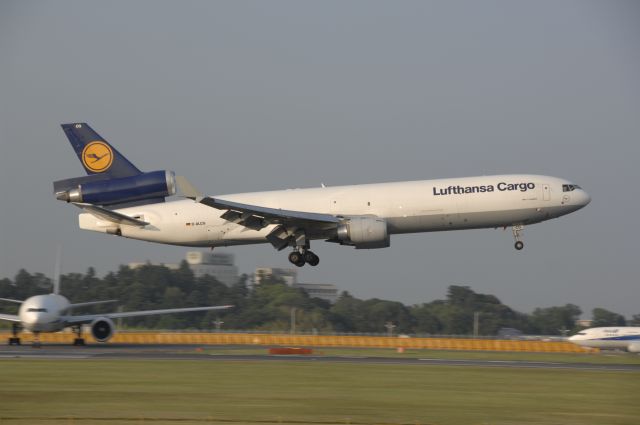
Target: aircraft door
[(546, 192)]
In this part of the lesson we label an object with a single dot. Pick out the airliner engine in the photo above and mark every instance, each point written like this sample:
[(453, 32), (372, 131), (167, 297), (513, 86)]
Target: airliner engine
[(364, 232), (144, 186), (634, 347), (102, 329)]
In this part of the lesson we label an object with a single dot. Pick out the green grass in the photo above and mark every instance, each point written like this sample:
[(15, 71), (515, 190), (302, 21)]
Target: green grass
[(170, 392), (592, 358)]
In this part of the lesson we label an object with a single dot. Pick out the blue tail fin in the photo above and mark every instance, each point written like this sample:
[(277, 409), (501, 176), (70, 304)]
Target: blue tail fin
[(96, 154)]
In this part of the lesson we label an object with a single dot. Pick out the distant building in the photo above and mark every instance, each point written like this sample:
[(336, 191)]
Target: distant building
[(219, 265), (584, 323), (288, 276), (325, 291)]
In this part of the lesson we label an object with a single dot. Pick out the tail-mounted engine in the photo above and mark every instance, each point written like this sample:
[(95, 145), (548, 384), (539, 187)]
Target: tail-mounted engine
[(98, 189), (102, 329), (364, 233)]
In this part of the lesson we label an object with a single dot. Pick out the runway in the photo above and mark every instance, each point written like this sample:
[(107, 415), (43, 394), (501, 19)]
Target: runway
[(189, 352)]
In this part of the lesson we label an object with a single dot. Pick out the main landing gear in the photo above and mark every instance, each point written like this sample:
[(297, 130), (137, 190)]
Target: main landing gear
[(302, 257), (15, 339), (78, 340), (516, 235), (301, 254)]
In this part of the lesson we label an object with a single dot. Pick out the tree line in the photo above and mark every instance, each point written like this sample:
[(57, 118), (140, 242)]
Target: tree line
[(270, 305)]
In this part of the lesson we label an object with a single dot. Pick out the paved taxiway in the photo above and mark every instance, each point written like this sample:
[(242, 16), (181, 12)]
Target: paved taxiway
[(188, 352)]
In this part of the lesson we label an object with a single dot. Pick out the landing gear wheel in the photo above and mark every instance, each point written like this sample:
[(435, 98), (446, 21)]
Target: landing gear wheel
[(517, 233), (311, 258), (78, 341), (14, 340), (296, 258)]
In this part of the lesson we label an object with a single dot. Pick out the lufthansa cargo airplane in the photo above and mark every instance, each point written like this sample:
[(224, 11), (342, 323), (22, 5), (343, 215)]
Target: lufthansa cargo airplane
[(609, 338), (119, 199)]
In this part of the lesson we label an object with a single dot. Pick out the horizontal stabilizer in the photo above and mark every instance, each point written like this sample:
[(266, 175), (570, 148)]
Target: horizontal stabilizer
[(108, 215)]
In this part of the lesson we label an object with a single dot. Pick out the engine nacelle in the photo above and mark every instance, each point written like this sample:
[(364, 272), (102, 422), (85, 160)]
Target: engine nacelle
[(102, 329), (364, 233), (634, 347), (155, 184)]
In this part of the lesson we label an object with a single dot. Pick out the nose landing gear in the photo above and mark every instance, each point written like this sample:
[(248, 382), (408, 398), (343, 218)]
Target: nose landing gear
[(36, 340), (516, 235)]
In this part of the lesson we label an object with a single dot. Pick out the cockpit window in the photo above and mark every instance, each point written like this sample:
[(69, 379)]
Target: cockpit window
[(570, 187), (37, 310), (581, 333)]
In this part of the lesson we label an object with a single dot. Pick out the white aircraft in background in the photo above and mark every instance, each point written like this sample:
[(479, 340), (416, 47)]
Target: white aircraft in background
[(609, 338), (121, 200), (52, 313)]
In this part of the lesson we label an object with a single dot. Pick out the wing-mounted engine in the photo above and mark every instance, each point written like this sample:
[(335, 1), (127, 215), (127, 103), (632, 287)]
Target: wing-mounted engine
[(363, 232), (102, 329), (634, 347), (98, 189)]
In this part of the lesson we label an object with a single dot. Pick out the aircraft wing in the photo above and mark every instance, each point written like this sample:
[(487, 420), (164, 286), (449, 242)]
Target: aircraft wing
[(77, 320), (9, 317), (256, 217), (92, 303), (109, 215), (9, 300)]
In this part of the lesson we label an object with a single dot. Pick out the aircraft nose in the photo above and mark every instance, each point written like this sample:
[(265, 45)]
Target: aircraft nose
[(586, 198), (29, 319), (581, 198)]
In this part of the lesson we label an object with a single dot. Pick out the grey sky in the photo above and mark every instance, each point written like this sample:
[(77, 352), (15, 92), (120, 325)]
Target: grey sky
[(246, 96)]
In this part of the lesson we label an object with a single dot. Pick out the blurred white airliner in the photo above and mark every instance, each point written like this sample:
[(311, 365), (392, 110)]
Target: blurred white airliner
[(609, 338), (53, 313)]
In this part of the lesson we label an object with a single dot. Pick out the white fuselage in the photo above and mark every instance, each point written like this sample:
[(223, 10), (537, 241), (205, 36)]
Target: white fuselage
[(407, 207), (44, 313), (614, 337)]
